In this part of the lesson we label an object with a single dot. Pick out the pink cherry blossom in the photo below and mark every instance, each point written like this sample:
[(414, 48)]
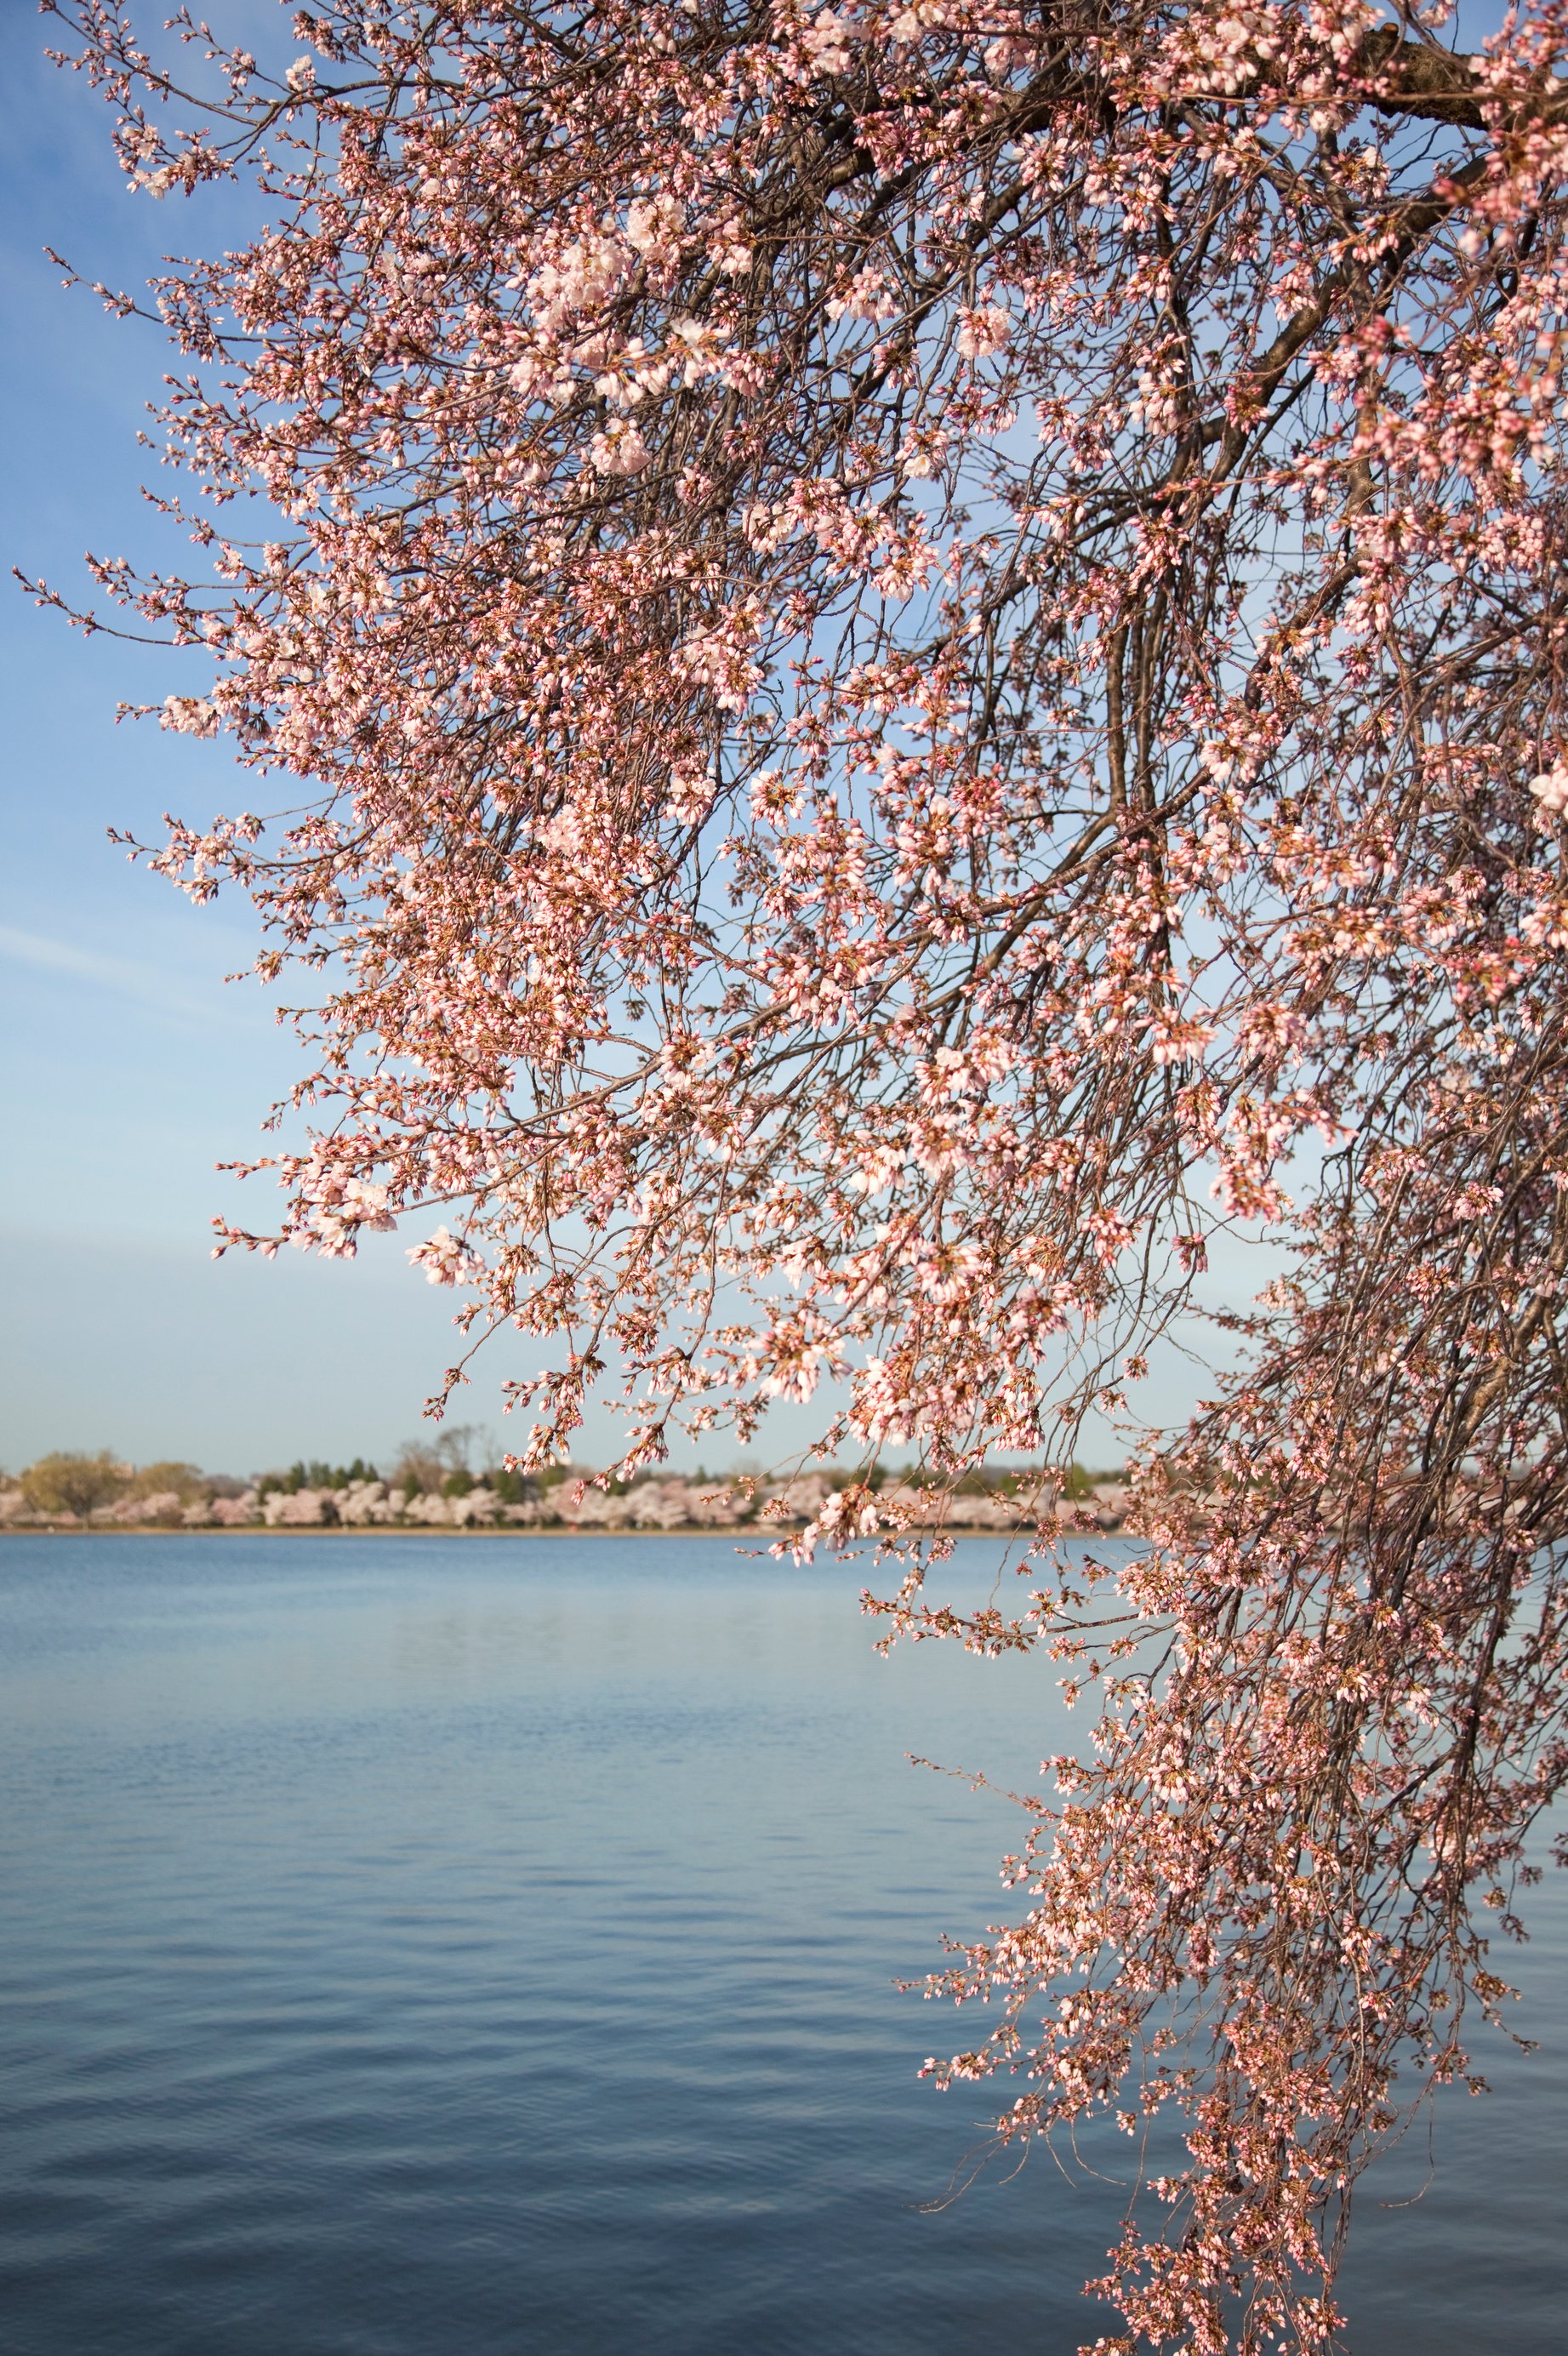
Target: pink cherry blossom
[(912, 663)]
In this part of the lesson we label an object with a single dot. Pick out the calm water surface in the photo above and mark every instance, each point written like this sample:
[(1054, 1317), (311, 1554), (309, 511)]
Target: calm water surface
[(485, 1947)]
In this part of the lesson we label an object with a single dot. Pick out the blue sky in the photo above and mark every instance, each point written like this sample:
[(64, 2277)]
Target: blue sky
[(130, 1071)]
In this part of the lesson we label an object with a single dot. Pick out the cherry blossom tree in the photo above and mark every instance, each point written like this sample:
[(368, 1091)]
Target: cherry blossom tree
[(910, 656)]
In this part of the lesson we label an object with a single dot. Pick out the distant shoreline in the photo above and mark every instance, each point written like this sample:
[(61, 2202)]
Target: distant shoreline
[(68, 1495), (389, 1530), (477, 1530)]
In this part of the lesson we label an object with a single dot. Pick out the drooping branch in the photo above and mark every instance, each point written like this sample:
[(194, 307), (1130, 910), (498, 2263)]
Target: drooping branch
[(921, 660)]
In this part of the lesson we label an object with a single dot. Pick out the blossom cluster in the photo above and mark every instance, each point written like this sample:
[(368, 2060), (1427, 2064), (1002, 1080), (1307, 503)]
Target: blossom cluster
[(914, 654)]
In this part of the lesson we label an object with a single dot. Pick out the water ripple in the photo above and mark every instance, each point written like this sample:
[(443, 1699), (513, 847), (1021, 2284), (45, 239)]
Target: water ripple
[(477, 1948)]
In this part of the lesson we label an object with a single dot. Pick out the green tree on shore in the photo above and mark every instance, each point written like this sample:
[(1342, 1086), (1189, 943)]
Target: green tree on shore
[(69, 1482)]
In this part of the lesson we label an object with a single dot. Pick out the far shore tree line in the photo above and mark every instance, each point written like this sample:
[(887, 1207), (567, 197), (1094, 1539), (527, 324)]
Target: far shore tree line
[(441, 1484)]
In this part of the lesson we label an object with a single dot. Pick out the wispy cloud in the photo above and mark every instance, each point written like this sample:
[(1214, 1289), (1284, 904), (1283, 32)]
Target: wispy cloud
[(131, 977)]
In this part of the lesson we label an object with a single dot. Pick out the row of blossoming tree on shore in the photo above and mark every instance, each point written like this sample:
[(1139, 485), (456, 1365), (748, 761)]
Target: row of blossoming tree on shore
[(433, 1488)]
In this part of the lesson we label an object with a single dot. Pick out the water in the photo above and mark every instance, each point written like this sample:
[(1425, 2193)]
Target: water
[(484, 1947)]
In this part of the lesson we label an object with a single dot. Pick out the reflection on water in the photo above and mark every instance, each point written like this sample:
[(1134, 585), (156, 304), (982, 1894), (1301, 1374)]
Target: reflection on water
[(455, 1947)]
